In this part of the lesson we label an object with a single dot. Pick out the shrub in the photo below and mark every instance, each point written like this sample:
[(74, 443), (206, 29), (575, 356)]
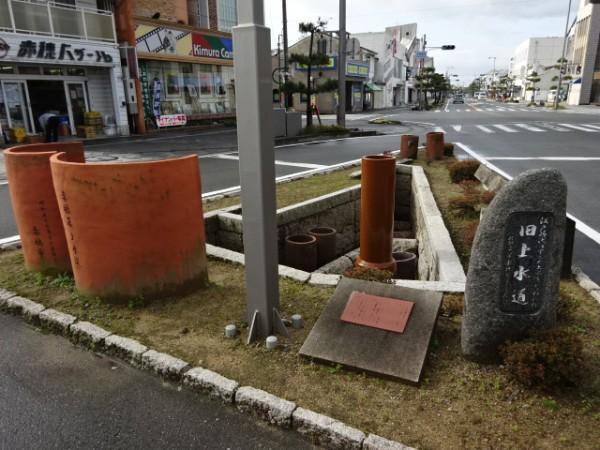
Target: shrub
[(548, 358), (448, 149), (470, 187), (362, 273), (452, 305), (487, 197), (469, 230), (463, 170), (464, 204)]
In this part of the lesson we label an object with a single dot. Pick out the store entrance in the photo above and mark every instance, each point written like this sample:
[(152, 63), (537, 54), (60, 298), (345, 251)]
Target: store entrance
[(47, 96)]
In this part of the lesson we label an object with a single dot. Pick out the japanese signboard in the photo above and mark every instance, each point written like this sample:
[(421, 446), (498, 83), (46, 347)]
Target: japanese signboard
[(47, 50), (331, 65), (356, 69), (526, 251), (182, 42), (171, 120)]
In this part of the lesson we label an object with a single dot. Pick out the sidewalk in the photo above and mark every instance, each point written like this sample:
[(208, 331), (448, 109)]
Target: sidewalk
[(581, 109)]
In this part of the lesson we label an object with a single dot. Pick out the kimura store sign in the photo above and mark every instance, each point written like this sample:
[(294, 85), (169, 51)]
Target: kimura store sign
[(207, 46)]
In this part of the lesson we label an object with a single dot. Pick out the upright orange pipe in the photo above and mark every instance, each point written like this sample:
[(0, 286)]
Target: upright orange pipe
[(409, 146), (378, 188), (435, 145), (134, 229), (34, 203)]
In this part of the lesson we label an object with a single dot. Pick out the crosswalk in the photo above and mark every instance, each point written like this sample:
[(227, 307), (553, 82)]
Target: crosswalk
[(536, 127), (494, 109)]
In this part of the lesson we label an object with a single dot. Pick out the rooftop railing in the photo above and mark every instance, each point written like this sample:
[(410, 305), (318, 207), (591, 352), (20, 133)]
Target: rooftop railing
[(56, 20)]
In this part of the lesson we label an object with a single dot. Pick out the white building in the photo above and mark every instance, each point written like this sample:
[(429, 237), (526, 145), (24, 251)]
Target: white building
[(59, 57), (396, 66), (535, 54), (585, 55)]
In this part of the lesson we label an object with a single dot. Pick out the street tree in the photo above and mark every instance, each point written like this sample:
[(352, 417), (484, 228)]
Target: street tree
[(309, 61), (533, 78), (505, 86), (435, 84)]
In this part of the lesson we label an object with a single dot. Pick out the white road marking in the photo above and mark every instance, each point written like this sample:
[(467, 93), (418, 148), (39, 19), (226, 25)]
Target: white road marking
[(10, 240), (581, 226), (554, 127), (490, 110), (505, 128), (457, 128), (544, 158), (500, 109), (467, 110), (589, 125), (577, 127), (277, 162), (529, 127), (486, 129), (439, 130), (510, 109), (437, 110), (447, 104), (524, 110)]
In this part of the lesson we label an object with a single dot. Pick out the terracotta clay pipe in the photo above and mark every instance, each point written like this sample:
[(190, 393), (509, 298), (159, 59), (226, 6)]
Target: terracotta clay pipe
[(35, 206), (377, 212), (409, 145), (435, 145)]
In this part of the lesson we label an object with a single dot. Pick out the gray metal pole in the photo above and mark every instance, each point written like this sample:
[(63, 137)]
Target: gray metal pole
[(341, 118), (253, 88), (285, 50), (562, 59)]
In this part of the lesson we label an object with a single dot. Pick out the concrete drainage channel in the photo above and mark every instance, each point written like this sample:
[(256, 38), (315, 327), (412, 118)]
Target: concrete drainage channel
[(419, 227), (321, 430)]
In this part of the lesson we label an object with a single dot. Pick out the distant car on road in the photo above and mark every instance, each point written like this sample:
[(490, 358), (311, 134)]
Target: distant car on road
[(458, 98), (481, 96)]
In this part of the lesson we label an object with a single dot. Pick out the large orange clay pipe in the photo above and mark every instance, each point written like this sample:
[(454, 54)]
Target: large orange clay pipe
[(133, 229), (34, 203), (377, 212)]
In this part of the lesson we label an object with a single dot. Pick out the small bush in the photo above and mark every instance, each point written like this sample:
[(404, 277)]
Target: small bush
[(324, 129), (469, 231), (487, 197), (464, 205), (362, 273), (470, 187), (463, 170), (548, 358), (452, 305), (448, 149)]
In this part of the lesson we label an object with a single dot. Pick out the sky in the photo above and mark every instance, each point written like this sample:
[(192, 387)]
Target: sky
[(478, 28)]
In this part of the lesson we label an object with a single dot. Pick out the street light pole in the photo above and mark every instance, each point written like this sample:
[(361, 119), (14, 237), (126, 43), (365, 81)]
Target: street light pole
[(253, 86), (285, 51), (562, 59), (341, 111)]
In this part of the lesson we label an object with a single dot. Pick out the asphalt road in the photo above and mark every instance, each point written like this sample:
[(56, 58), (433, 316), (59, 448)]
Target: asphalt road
[(511, 136), (55, 395)]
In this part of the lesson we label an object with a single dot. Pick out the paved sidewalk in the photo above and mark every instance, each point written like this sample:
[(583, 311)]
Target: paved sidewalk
[(55, 395)]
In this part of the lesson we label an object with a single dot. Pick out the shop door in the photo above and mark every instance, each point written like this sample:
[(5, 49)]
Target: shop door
[(77, 102), (15, 104)]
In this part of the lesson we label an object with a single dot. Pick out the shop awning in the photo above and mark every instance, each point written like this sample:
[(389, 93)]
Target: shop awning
[(373, 87)]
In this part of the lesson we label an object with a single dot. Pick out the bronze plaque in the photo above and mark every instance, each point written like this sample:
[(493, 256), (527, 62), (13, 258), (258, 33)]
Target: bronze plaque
[(384, 313)]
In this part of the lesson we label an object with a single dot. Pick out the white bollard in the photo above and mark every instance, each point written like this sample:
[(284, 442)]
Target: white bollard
[(271, 342), (230, 331)]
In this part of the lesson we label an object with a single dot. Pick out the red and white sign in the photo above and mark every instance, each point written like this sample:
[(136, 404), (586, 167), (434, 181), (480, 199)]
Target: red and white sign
[(171, 120)]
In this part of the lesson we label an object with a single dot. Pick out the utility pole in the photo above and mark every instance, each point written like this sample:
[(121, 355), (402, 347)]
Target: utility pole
[(341, 117), (285, 51), (493, 76), (253, 86), (562, 59)]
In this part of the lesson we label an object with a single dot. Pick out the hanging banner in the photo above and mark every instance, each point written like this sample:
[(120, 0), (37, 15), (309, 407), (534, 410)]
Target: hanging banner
[(156, 87)]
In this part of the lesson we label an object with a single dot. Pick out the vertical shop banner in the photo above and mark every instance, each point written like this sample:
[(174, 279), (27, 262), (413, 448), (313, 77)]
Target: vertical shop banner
[(145, 90), (156, 88)]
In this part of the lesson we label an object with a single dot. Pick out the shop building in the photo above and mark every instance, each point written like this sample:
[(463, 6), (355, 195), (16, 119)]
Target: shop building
[(63, 58), (361, 92)]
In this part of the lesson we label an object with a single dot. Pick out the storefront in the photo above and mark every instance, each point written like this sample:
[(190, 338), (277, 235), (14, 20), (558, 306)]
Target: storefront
[(67, 77), (186, 74)]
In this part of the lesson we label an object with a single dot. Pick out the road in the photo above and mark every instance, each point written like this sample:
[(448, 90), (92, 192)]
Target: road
[(55, 395), (511, 136)]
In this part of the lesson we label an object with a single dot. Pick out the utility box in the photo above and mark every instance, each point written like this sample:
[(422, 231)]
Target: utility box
[(293, 123), (278, 122)]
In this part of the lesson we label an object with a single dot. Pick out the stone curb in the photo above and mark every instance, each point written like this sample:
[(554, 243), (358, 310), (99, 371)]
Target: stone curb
[(30, 311), (323, 430), (586, 283), (269, 407), (275, 410), (88, 335), (125, 349), (56, 321), (164, 365), (211, 383)]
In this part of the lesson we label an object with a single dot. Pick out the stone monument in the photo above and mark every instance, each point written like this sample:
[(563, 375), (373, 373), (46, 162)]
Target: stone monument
[(514, 271)]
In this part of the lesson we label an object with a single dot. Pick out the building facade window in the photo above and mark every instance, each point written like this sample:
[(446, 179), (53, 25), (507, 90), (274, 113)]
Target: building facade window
[(227, 14), (198, 12)]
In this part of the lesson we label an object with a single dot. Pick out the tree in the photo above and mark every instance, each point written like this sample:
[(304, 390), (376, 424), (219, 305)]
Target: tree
[(505, 86), (533, 79), (309, 61), (432, 83)]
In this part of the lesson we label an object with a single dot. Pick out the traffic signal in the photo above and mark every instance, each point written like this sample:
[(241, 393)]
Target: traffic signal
[(448, 47)]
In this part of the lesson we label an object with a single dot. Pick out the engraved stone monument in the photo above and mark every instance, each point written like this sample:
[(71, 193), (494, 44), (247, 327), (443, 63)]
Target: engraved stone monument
[(514, 271)]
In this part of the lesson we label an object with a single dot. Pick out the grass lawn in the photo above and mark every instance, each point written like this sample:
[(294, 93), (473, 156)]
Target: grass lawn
[(458, 405)]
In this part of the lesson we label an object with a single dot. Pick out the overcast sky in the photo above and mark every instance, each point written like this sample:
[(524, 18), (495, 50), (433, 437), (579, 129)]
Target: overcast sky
[(478, 28)]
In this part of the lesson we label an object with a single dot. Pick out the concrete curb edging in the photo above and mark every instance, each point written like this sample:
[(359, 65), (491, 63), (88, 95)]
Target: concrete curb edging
[(318, 428)]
